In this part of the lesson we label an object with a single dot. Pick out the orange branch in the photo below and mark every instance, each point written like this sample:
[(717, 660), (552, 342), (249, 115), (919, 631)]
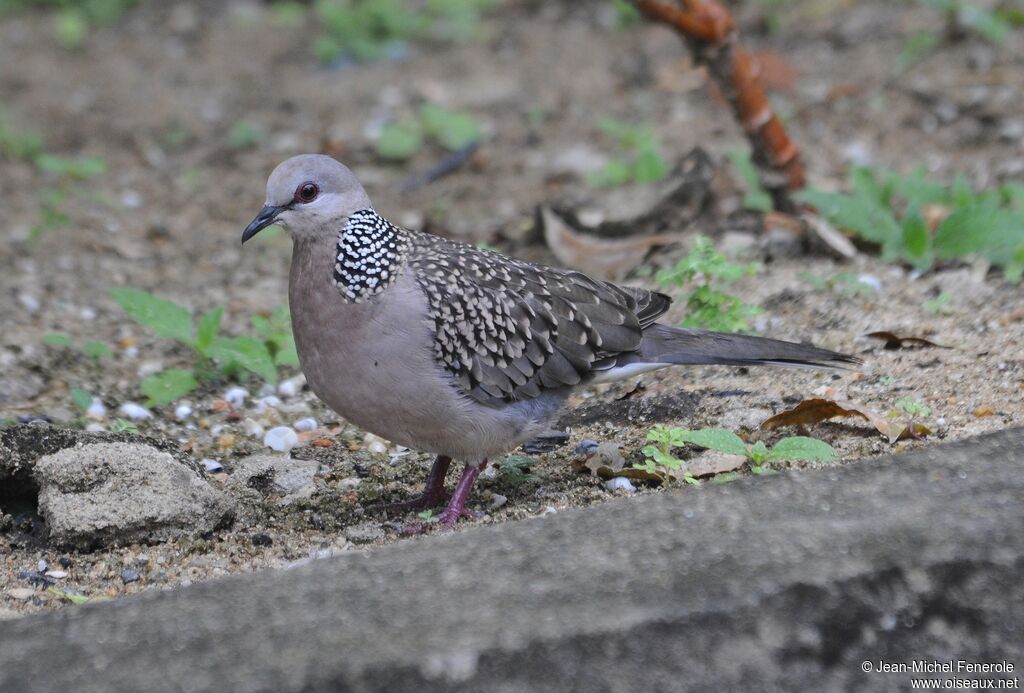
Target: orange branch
[(708, 28)]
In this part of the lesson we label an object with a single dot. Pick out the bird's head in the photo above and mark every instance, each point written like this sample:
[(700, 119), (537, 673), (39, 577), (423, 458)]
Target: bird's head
[(309, 195)]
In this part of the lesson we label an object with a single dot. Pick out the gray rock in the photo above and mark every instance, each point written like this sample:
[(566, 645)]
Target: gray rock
[(122, 493), (273, 475), (779, 583), (365, 533)]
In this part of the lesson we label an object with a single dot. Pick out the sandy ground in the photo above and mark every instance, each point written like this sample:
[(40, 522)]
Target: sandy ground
[(157, 96)]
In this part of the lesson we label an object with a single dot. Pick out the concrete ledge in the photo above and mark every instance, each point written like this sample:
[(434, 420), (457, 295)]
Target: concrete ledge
[(761, 584)]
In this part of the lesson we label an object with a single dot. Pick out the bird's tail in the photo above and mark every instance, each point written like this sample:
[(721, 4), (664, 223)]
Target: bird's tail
[(680, 345)]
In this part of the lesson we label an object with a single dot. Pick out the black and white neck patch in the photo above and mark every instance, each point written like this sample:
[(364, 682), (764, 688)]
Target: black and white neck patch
[(370, 250)]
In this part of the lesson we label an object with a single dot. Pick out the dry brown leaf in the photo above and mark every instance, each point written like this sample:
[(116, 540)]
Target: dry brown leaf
[(712, 462), (607, 258), (894, 341), (812, 411), (830, 236)]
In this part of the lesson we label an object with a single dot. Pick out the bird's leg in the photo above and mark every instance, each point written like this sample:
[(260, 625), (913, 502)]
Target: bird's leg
[(457, 505), (433, 493)]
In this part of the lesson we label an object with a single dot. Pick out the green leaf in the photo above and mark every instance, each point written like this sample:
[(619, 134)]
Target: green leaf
[(756, 198), (208, 329), (168, 386), (613, 174), (57, 340), (453, 130), (399, 141), (758, 452), (916, 241), (864, 216), (801, 448), (286, 354), (248, 352), (164, 318), (81, 397), (719, 439), (96, 350), (649, 167)]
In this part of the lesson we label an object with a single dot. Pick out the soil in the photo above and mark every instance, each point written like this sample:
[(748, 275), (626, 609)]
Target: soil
[(156, 96)]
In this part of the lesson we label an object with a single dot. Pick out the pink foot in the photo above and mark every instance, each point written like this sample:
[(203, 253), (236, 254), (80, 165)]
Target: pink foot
[(457, 505), (433, 494)]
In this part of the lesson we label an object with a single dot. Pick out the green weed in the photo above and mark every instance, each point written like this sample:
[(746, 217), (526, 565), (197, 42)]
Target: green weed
[(216, 356), (708, 306), (888, 210), (640, 159), (368, 30), (451, 130), (756, 198), (661, 462)]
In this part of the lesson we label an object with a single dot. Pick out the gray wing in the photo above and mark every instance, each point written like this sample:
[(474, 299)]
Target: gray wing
[(509, 329)]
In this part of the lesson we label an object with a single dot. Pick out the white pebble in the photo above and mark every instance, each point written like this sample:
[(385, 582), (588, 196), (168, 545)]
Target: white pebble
[(29, 302), (131, 352), (292, 386), (42, 566), (266, 389), (620, 482), (870, 280), (96, 409), (236, 396), (252, 428), (131, 199), (183, 411), (264, 403), (95, 428), (498, 500), (56, 574), (87, 313), (134, 411), (212, 466), (307, 424), (349, 483), (148, 368), (550, 510), (281, 439)]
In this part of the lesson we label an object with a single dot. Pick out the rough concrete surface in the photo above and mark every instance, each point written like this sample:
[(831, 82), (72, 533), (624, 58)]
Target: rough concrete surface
[(778, 583), (124, 493)]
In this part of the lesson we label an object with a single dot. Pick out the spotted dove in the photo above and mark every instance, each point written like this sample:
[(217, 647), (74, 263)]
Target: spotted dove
[(447, 348)]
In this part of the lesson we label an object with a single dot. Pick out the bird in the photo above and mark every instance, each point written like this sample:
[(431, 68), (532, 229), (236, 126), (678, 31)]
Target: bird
[(459, 351)]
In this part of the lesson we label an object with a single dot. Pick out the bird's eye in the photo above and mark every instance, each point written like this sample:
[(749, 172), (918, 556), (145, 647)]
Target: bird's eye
[(306, 192)]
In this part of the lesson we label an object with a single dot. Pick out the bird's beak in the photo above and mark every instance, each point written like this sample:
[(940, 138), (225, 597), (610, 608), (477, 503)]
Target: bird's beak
[(264, 219)]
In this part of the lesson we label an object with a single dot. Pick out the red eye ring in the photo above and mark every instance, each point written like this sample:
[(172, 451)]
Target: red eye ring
[(306, 192)]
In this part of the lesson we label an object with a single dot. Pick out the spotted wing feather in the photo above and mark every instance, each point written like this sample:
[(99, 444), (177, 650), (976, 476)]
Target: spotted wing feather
[(509, 329)]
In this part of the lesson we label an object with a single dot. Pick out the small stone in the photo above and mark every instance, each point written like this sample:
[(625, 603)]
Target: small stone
[(134, 411), (870, 280), (282, 439), (266, 389), (262, 539), (983, 411), (252, 428), (21, 593), (289, 388), (183, 411), (129, 575), (586, 447), (41, 566), (498, 500), (131, 199), (226, 441), (322, 443), (95, 427), (349, 483), (264, 403), (96, 410), (364, 533), (375, 443), (212, 466), (620, 483), (56, 574), (236, 396), (307, 424)]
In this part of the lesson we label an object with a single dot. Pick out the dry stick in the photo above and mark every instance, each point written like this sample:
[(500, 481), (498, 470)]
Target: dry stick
[(708, 29)]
